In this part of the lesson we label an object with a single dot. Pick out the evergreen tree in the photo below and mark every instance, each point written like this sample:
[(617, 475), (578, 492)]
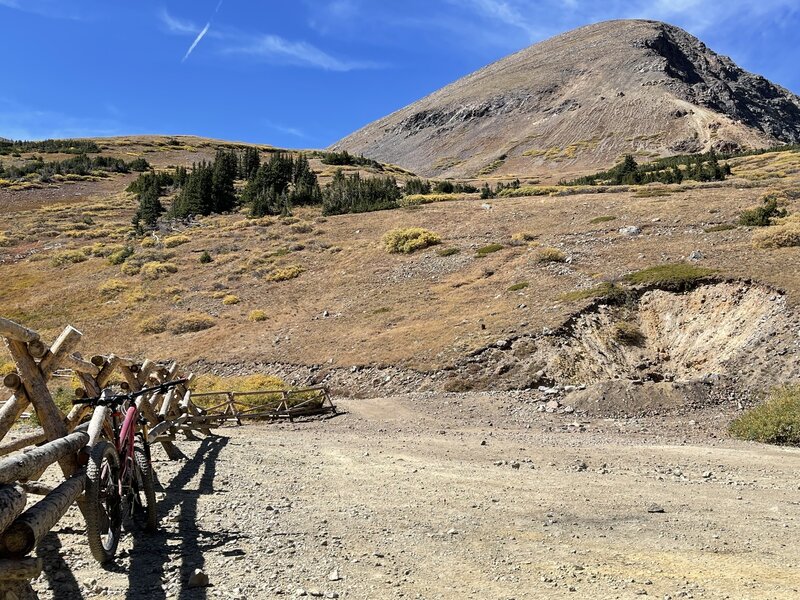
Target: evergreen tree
[(222, 180), (249, 161)]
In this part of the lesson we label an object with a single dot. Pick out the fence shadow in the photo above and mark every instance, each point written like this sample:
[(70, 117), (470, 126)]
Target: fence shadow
[(150, 554), (58, 573)]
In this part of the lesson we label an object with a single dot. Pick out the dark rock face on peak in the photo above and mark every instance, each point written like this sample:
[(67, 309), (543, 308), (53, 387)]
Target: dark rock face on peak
[(579, 101)]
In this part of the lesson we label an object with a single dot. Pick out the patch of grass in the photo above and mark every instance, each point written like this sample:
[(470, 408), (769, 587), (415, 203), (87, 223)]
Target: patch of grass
[(286, 273), (130, 269), (409, 239), (148, 242), (523, 237), (550, 255), (113, 288), (603, 219), (487, 250), (519, 286), (764, 215), (652, 193), (673, 276), (258, 316), (191, 323), (720, 227), (628, 334), (230, 300), (174, 241), (419, 199), (68, 257), (381, 311), (242, 383), (448, 251), (301, 228), (529, 190), (153, 325), (779, 236), (205, 258), (777, 421), (156, 270)]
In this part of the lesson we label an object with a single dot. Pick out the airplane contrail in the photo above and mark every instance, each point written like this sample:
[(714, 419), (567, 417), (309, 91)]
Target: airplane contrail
[(199, 37)]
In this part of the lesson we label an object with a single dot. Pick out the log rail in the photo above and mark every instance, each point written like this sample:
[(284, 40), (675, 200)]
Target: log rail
[(62, 438)]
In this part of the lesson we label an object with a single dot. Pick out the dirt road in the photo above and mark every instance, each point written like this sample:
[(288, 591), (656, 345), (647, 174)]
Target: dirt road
[(460, 497)]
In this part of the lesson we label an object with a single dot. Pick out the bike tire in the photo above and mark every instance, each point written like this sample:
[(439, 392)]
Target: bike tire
[(103, 516), (145, 511)]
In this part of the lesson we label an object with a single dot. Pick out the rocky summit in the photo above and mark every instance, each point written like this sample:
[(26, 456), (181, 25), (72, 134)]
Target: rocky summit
[(579, 101)]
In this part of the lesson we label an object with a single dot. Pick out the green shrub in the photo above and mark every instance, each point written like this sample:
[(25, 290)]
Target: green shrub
[(610, 291), (777, 421), (550, 255), (487, 250), (410, 239), (120, 256), (205, 258), (448, 251), (672, 276), (604, 219), (519, 286), (68, 257), (763, 215), (155, 269), (113, 288)]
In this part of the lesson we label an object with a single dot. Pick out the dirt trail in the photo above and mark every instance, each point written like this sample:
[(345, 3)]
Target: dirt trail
[(440, 497)]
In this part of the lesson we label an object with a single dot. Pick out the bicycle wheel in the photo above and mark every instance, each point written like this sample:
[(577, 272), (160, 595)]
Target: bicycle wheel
[(143, 511), (103, 517)]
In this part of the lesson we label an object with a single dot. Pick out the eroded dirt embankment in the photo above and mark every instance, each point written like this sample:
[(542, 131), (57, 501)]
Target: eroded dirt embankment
[(653, 350)]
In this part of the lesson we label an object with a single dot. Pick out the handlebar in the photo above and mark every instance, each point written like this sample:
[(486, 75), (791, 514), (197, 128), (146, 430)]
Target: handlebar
[(118, 399)]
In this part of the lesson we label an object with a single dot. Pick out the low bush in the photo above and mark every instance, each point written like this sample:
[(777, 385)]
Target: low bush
[(301, 228), (148, 242), (762, 216), (628, 334), (205, 258), (609, 291), (776, 421), (176, 240), (487, 250), (448, 251), (550, 255), (120, 256), (242, 383), (113, 288), (68, 257), (257, 316), (410, 239), (230, 300), (156, 270), (523, 237), (191, 323), (603, 219), (671, 276), (519, 286), (130, 269), (528, 190), (779, 236), (153, 325), (420, 199), (286, 273)]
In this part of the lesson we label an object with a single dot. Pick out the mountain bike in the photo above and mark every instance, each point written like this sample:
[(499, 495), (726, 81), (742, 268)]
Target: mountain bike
[(120, 486)]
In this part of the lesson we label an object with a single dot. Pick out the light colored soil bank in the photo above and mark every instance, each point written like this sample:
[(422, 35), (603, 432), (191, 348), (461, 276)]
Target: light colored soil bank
[(461, 496)]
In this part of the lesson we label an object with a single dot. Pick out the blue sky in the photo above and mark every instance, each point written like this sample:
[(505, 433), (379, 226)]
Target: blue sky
[(304, 73)]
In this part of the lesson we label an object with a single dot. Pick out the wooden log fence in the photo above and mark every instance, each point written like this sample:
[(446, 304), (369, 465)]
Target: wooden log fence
[(277, 404), (62, 439)]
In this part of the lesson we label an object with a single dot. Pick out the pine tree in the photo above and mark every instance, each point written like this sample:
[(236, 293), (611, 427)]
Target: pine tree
[(222, 180)]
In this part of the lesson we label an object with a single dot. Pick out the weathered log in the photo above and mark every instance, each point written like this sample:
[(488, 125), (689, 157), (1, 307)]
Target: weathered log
[(20, 570), (15, 331), (50, 416), (37, 488), (70, 361), (107, 370), (12, 410), (22, 466), (23, 442), (89, 384), (29, 528), (64, 345), (76, 415), (12, 503), (37, 348), (12, 381), (144, 371)]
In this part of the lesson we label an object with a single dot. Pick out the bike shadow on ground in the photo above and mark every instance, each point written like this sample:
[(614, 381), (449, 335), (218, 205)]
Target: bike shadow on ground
[(161, 563)]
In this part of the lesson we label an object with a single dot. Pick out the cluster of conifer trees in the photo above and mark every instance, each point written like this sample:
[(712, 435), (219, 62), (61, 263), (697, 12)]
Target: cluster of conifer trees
[(49, 146), (75, 165), (675, 169)]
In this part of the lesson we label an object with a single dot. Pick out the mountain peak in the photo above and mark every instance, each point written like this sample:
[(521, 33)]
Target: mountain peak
[(579, 101)]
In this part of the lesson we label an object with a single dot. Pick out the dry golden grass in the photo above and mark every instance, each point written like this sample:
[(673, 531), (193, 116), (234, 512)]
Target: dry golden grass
[(257, 316), (230, 300), (550, 255), (156, 270), (409, 239), (785, 235), (174, 241), (286, 273)]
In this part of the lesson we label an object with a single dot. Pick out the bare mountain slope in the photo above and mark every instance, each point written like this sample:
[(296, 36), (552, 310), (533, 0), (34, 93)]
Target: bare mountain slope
[(580, 100)]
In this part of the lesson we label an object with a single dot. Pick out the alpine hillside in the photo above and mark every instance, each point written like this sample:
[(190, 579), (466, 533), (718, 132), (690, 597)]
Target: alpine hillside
[(579, 101)]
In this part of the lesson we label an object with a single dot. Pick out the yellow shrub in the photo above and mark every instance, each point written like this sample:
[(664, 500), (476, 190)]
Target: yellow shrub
[(286, 273), (420, 199), (410, 239), (257, 316), (247, 383), (778, 236), (156, 324), (230, 300), (175, 241), (68, 257), (130, 269), (113, 288), (192, 323), (4, 239), (550, 255), (148, 242), (154, 270), (523, 237)]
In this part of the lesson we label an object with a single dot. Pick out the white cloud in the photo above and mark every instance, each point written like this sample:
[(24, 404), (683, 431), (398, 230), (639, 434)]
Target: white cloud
[(277, 49), (196, 41), (175, 25)]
